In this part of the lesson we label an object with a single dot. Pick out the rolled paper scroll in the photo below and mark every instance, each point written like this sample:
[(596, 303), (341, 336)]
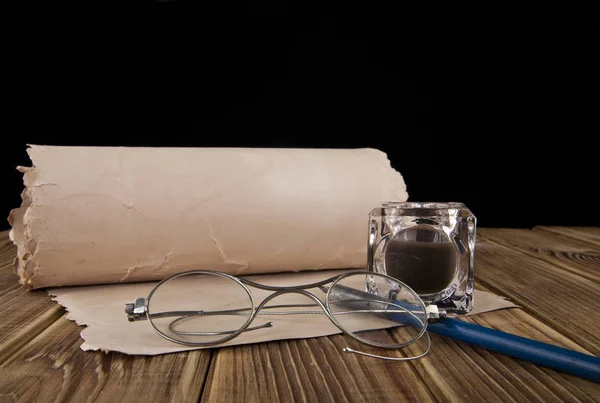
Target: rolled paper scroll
[(103, 215)]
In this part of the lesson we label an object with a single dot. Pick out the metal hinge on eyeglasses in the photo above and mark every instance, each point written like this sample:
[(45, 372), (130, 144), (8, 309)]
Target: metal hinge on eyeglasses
[(137, 310), (434, 314)]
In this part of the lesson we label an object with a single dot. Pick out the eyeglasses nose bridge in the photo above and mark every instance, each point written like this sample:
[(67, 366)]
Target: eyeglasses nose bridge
[(297, 291)]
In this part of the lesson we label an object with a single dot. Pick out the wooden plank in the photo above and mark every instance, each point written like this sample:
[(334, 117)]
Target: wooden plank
[(455, 369), (7, 255), (38, 343), (14, 337), (575, 256), (549, 293), (53, 367), (24, 313), (587, 234), (518, 322), (311, 370), (316, 369)]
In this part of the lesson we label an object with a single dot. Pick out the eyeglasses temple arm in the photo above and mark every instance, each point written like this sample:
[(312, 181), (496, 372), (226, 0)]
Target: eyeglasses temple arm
[(414, 357)]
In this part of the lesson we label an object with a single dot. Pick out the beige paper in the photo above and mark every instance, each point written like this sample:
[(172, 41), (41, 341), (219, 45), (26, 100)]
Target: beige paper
[(101, 215), (101, 309)]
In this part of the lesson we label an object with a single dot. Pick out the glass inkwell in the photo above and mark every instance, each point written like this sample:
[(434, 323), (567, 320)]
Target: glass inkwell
[(428, 246)]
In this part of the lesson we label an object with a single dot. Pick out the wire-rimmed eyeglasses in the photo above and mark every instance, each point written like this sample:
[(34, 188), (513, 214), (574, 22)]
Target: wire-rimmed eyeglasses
[(203, 308)]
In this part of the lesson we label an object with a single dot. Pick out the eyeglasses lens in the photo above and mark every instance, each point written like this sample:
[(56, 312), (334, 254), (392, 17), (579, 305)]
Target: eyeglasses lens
[(199, 308), (363, 304)]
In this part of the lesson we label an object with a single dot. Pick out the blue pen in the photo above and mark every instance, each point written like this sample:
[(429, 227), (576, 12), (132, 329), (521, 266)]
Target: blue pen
[(543, 354)]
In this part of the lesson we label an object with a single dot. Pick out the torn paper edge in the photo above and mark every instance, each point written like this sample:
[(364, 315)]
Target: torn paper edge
[(20, 234), (71, 316)]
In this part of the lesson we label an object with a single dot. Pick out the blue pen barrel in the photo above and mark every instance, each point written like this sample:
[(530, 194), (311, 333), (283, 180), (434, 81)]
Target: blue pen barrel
[(546, 355), (413, 316)]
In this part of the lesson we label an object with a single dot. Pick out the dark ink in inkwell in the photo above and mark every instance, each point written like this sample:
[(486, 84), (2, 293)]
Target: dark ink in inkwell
[(423, 258)]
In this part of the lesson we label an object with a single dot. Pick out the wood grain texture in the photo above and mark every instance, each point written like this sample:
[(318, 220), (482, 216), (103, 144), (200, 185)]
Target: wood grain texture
[(452, 371), (8, 252), (547, 292), (310, 370), (572, 255), (52, 367), (317, 370), (24, 313), (546, 381), (456, 371), (40, 358), (587, 234)]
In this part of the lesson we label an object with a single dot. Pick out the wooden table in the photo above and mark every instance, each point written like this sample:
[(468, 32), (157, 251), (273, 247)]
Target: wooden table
[(552, 272)]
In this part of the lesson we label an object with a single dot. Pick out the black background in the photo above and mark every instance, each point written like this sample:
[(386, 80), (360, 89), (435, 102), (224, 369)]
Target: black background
[(499, 112)]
